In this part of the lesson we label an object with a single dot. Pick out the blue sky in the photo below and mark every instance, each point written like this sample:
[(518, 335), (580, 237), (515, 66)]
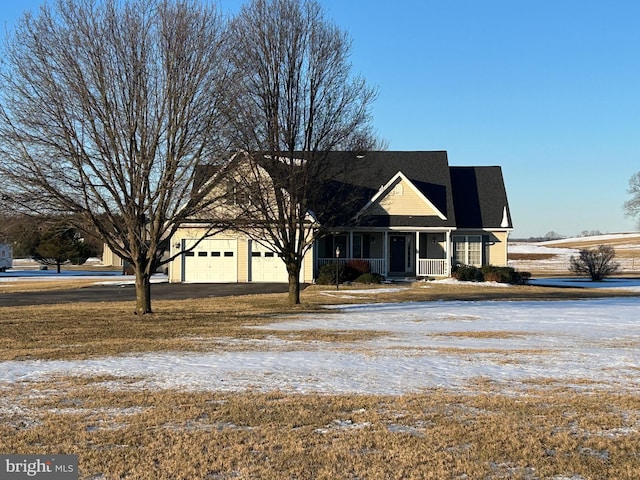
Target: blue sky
[(547, 89)]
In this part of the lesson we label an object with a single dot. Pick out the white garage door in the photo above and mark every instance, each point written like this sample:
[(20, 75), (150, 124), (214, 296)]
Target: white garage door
[(266, 266), (211, 261)]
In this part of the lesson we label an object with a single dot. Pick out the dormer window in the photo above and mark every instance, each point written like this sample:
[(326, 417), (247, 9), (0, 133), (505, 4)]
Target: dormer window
[(237, 194), (398, 189)]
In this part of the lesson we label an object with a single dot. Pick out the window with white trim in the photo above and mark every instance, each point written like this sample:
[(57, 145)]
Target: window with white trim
[(467, 249)]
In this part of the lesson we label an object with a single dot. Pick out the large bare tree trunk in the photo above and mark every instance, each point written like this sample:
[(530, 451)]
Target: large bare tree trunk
[(143, 292), (294, 284)]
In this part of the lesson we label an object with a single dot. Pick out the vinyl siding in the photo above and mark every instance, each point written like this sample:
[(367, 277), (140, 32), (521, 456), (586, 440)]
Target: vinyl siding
[(401, 199), (498, 249), (243, 259)]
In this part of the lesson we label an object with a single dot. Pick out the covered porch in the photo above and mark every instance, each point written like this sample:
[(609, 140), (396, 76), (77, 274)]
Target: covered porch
[(390, 253)]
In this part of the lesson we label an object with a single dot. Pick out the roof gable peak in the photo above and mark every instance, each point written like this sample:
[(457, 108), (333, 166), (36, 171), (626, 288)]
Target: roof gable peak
[(385, 190)]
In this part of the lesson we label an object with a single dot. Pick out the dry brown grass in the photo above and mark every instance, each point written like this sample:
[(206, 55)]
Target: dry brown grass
[(626, 247), (542, 433), (531, 256), (83, 330), (121, 432), (484, 334), (587, 242)]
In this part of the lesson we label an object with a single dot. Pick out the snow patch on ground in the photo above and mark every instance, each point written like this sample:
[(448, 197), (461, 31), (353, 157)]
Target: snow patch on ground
[(427, 345), (100, 278)]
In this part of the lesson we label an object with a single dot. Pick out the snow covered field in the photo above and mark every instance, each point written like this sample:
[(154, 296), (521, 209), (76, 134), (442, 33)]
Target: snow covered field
[(584, 343), (554, 256), (418, 346)]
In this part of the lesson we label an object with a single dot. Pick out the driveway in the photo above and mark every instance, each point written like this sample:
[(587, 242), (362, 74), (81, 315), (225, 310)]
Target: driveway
[(159, 291)]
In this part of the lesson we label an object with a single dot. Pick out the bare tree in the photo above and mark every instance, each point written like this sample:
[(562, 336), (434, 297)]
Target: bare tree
[(596, 263), (632, 206), (294, 101), (106, 108)]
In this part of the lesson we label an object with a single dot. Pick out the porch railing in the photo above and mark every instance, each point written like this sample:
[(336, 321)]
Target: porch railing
[(377, 264), (428, 267)]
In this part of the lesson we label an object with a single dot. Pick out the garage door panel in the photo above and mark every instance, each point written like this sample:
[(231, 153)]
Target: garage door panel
[(266, 265), (211, 261)]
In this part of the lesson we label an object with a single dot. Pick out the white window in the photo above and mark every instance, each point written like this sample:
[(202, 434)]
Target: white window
[(467, 249)]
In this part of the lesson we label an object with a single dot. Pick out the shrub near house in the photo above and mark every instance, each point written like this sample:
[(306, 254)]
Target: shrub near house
[(357, 270), (490, 273)]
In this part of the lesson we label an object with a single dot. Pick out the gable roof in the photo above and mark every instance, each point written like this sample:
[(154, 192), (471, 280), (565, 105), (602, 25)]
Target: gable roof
[(465, 197), (367, 172), (480, 198), (386, 189)]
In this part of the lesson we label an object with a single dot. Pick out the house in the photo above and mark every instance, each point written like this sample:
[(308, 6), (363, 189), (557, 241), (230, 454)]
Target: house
[(110, 258), (6, 257), (408, 214)]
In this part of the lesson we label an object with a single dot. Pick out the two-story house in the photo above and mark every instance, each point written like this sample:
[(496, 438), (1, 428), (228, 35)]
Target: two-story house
[(409, 214)]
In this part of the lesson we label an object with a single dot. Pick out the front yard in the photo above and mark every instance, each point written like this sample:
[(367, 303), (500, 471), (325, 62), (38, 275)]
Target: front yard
[(240, 387)]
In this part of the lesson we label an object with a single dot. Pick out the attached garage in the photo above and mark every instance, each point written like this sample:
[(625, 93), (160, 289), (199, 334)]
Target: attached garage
[(210, 261), (225, 259), (265, 265)]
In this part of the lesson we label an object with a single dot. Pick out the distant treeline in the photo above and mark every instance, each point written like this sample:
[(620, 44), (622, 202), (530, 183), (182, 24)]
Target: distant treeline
[(557, 236)]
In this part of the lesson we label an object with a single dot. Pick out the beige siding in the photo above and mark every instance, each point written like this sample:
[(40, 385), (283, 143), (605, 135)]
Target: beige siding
[(498, 248), (110, 259), (308, 267), (401, 199), (243, 259)]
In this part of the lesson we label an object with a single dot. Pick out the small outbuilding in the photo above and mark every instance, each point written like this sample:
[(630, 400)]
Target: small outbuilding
[(6, 257)]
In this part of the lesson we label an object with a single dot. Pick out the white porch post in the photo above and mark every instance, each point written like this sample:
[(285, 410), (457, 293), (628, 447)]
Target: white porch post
[(448, 242), (418, 253), (386, 253), (350, 243)]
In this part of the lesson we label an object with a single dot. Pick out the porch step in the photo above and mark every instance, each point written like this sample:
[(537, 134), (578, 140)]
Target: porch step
[(400, 279)]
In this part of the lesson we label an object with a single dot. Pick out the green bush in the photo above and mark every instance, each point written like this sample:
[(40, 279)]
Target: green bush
[(370, 278), (521, 278), (354, 270), (498, 274), (490, 273), (467, 273), (327, 274)]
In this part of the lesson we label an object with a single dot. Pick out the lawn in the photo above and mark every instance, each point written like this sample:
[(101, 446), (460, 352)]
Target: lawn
[(489, 384)]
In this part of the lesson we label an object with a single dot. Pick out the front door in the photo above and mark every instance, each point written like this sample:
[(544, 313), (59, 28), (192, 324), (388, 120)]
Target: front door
[(397, 254)]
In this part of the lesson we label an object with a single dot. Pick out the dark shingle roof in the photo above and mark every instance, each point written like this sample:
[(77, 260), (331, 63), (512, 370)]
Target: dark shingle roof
[(428, 171), (469, 197), (479, 197)]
